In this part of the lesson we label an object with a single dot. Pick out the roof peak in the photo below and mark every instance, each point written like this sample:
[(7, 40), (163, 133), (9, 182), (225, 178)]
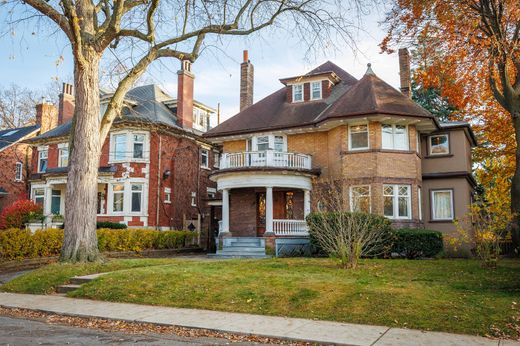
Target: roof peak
[(369, 71)]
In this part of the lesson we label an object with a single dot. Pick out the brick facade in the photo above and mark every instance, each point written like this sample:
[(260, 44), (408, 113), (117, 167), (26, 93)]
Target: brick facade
[(16, 189)]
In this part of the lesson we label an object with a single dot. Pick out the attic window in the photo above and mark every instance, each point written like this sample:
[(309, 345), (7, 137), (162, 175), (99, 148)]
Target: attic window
[(316, 90), (297, 92)]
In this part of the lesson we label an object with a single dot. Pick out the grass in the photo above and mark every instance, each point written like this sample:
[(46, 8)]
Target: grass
[(444, 295)]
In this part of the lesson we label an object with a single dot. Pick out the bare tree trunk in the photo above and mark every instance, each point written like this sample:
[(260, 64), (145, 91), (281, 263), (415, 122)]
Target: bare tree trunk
[(515, 184), (80, 242)]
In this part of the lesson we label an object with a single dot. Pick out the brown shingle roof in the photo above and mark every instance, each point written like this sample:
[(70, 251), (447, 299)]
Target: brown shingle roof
[(350, 97)]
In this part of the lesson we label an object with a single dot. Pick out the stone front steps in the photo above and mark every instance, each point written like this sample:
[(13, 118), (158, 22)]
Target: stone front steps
[(76, 283), (242, 247)]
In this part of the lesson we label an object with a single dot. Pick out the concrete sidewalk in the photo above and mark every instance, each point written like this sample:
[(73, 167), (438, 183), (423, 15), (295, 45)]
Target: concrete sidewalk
[(275, 327)]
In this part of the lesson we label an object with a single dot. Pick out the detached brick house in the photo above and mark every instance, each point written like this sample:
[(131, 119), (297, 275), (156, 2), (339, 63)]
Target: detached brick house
[(154, 165), (394, 157)]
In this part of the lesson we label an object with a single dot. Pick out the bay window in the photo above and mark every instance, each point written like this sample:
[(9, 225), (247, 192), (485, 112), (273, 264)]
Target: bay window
[(39, 197), (395, 137), (360, 198), (128, 146), (316, 90), (55, 201), (119, 147), (439, 144), (297, 92), (138, 143), (358, 137), (442, 205), (118, 195), (262, 143), (397, 201), (137, 198)]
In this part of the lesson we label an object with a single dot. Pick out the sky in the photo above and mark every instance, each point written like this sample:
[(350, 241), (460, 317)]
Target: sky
[(34, 59)]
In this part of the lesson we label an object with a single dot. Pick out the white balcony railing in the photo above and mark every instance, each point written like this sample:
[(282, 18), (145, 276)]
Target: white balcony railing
[(268, 158), (290, 227)]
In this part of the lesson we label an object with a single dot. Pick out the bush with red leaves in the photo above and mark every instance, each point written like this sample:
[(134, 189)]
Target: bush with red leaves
[(19, 213)]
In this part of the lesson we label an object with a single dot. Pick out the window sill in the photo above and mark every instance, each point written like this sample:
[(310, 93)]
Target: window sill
[(167, 202), (438, 156), (206, 168), (129, 161), (441, 221)]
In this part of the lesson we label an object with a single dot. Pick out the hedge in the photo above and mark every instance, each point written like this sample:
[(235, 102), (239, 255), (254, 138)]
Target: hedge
[(416, 243), (106, 224), (21, 243)]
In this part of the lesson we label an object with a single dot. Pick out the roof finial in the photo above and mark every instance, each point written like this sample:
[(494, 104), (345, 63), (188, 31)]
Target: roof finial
[(369, 70)]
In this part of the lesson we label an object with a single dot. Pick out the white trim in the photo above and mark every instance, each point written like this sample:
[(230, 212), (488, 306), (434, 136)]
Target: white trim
[(127, 197), (129, 152), (419, 198), (202, 151), (433, 192), (393, 146), (319, 82), (369, 197), (194, 199), (234, 180), (294, 92), (18, 173), (61, 149), (41, 150), (350, 137), (167, 195), (395, 201)]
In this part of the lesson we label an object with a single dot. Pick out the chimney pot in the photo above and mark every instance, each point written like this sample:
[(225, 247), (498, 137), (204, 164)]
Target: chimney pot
[(66, 104), (185, 95), (404, 72), (246, 56)]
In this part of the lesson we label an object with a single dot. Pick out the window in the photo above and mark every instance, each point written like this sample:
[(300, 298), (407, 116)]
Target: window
[(439, 145), (395, 137), (120, 146), (216, 159), (39, 197), (358, 137), (55, 201), (262, 143), (316, 90), (212, 192), (360, 198), (18, 175), (278, 143), (138, 146), (200, 119), (418, 142), (297, 92), (137, 198), (167, 195), (397, 201), (63, 156), (193, 199), (204, 158), (42, 160), (442, 205), (419, 197), (118, 192)]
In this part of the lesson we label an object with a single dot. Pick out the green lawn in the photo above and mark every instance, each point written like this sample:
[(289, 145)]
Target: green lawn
[(445, 295)]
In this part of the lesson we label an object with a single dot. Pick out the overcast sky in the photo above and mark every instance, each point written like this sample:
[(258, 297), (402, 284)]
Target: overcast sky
[(34, 59)]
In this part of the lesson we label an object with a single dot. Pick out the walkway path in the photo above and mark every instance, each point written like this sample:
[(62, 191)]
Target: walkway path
[(275, 327)]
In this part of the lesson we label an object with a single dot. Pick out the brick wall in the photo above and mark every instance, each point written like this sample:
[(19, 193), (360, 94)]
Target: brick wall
[(242, 212), (16, 189)]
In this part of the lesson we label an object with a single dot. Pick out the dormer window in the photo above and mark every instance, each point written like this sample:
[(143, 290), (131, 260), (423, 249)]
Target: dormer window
[(297, 92), (316, 90)]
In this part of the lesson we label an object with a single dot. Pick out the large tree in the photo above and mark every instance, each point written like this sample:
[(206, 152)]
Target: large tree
[(152, 30), (475, 46)]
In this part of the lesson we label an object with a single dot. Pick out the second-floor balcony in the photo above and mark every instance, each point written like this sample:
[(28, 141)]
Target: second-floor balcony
[(267, 158)]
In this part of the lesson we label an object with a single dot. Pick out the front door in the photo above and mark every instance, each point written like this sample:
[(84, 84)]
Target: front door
[(279, 209)]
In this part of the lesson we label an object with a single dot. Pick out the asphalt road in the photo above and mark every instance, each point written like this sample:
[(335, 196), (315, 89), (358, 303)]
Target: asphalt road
[(17, 332)]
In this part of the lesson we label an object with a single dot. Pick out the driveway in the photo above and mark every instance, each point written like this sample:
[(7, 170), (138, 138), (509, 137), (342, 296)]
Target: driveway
[(14, 331)]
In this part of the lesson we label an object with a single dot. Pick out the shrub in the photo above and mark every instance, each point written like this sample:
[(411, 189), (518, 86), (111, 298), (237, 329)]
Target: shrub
[(110, 225), (19, 213), (349, 236), (415, 243), (21, 243)]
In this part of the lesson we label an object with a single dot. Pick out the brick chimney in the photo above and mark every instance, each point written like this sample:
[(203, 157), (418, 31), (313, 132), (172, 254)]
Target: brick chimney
[(46, 116), (404, 72), (246, 82), (66, 104), (185, 95)]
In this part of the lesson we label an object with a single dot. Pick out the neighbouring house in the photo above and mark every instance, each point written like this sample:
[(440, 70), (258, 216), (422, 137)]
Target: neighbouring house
[(393, 157), (154, 167)]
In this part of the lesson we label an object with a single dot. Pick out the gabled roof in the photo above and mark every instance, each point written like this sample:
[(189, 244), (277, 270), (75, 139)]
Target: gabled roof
[(349, 98), (12, 136)]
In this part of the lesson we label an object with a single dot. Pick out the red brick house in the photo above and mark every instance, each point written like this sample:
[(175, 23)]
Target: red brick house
[(392, 156), (155, 165)]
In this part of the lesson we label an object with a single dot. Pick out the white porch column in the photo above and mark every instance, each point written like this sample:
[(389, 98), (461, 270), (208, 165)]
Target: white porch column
[(306, 202), (225, 211), (269, 210)]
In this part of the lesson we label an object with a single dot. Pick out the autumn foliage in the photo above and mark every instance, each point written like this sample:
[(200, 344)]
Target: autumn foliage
[(19, 213)]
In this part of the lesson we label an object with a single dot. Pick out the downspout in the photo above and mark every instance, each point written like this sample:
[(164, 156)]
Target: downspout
[(157, 209)]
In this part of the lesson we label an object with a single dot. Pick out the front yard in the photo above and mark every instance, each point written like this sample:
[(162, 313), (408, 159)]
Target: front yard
[(443, 295)]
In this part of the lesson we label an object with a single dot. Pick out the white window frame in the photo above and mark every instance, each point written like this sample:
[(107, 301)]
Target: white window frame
[(393, 146), (369, 197), (128, 154), (350, 148), (204, 153), (199, 115), (395, 202), (18, 173), (300, 85), (112, 194), (430, 144), (167, 195), (141, 192), (193, 199), (432, 194), (134, 142), (35, 196), (62, 148), (212, 192), (319, 83), (271, 141), (418, 142), (419, 200), (216, 159), (127, 197), (41, 151)]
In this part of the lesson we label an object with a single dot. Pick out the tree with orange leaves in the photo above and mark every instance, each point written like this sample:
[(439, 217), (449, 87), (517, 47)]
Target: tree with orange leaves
[(471, 52)]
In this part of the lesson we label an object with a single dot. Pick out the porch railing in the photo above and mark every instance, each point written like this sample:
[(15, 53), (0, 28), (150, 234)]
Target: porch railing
[(268, 158), (290, 227)]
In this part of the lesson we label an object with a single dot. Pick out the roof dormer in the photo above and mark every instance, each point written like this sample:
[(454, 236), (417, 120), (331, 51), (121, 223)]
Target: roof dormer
[(310, 87)]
